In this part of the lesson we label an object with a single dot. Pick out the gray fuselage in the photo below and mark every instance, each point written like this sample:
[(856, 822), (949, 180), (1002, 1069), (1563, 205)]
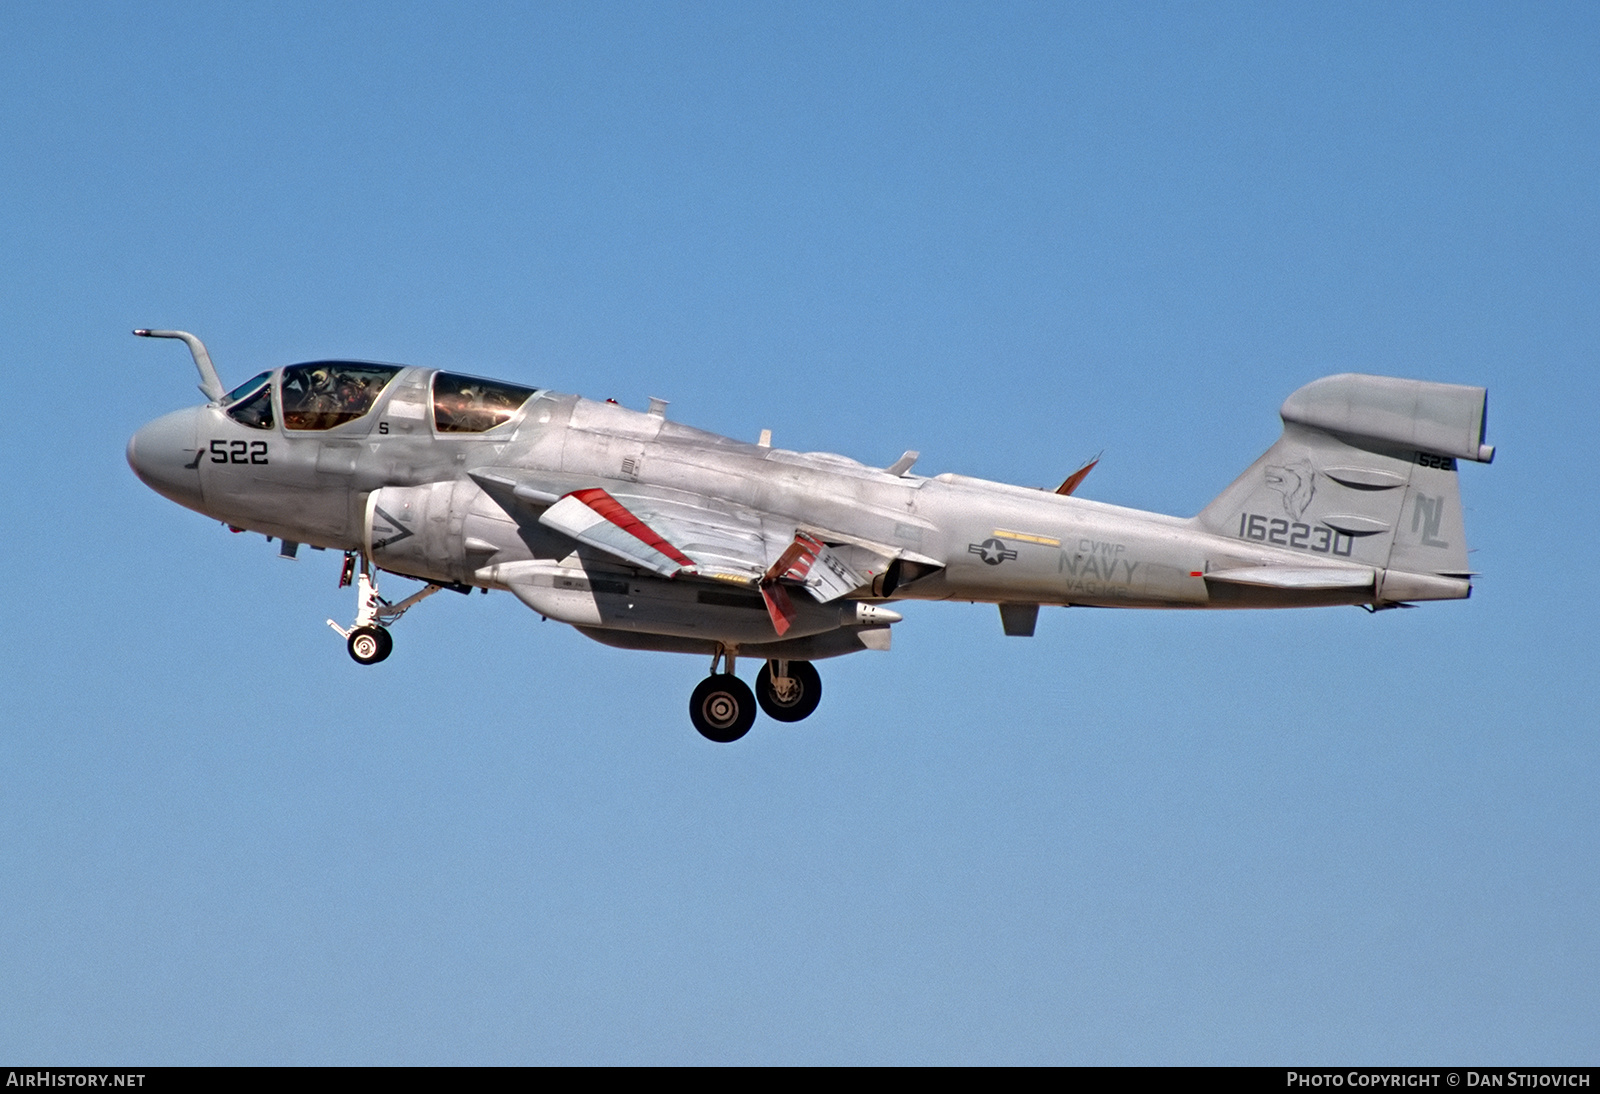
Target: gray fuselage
[(968, 539)]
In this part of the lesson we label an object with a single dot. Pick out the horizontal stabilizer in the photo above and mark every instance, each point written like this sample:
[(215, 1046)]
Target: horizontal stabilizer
[(596, 518), (1283, 577)]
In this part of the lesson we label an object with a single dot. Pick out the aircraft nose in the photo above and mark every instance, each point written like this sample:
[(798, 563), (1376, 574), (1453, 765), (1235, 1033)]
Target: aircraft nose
[(163, 455)]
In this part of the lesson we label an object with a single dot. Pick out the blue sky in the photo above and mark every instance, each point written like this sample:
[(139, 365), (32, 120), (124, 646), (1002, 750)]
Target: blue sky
[(1009, 236)]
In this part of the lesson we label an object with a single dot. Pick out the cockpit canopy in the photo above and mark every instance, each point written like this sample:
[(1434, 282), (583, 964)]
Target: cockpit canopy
[(324, 394), (467, 404)]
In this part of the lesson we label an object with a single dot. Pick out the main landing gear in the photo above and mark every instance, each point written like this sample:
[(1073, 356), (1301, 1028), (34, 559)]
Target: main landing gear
[(788, 690), (723, 708), (368, 638)]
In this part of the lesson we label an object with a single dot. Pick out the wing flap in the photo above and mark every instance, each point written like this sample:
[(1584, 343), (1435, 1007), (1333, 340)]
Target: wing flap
[(812, 563), (830, 577)]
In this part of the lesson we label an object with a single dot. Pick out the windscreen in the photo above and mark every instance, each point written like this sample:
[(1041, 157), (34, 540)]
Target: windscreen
[(254, 409), (246, 388)]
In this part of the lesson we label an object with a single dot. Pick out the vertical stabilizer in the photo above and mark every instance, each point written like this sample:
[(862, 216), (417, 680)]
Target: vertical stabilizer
[(1365, 472)]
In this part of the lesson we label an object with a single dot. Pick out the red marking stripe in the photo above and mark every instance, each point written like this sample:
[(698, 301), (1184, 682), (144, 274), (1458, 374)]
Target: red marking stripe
[(1196, 573), (617, 513)]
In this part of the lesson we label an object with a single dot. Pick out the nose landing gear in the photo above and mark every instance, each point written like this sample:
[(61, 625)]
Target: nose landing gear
[(368, 638)]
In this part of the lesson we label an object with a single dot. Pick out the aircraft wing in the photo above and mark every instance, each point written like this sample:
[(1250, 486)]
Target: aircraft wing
[(714, 539), (597, 518), (673, 532)]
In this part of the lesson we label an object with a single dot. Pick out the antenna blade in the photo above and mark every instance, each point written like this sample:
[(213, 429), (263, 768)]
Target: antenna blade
[(1075, 480)]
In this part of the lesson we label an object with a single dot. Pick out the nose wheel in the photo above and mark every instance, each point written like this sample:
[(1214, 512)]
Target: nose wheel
[(369, 645)]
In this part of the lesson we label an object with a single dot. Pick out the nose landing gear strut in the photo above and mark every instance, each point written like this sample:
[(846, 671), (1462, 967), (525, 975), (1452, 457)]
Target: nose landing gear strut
[(368, 637)]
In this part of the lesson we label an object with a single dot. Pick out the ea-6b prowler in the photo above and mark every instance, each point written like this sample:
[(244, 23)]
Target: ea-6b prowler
[(650, 535)]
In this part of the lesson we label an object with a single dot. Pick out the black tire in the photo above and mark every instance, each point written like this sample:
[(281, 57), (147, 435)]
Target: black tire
[(369, 645), (800, 703), (722, 708)]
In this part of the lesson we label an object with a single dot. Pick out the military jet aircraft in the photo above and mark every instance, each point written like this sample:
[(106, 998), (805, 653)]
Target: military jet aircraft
[(650, 535)]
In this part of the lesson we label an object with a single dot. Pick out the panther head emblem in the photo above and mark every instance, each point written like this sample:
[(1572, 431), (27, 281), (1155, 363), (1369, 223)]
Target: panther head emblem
[(1297, 482)]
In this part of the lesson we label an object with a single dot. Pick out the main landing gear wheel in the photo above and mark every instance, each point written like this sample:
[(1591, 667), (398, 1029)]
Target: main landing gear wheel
[(369, 645), (798, 697), (722, 708)]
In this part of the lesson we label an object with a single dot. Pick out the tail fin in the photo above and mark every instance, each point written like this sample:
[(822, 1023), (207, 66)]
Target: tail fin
[(1366, 472)]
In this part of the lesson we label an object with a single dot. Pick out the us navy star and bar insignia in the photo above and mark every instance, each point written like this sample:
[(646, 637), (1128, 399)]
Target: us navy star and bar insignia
[(994, 551)]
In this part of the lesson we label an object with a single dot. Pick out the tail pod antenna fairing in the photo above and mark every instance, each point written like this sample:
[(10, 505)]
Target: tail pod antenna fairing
[(210, 382)]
